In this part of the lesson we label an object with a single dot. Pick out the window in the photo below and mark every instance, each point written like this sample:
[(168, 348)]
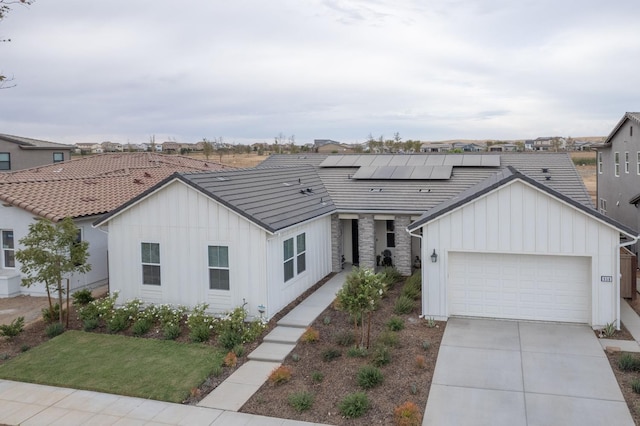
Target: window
[(150, 263), (603, 206), (58, 157), (600, 161), (301, 253), (638, 162), (630, 130), (391, 236), (8, 251), (626, 162), (5, 161), (616, 163), (218, 268), (295, 256)]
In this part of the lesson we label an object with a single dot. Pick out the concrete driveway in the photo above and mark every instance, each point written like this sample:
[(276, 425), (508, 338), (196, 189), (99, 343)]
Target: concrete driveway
[(492, 372)]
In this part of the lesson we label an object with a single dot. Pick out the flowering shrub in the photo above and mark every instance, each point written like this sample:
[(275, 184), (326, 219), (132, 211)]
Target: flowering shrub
[(200, 323), (407, 414), (280, 375), (310, 335), (233, 329)]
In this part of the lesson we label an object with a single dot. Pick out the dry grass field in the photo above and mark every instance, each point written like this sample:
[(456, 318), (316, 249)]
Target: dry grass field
[(588, 172)]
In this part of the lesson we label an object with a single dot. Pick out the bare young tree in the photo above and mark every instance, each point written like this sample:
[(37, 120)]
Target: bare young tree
[(5, 7)]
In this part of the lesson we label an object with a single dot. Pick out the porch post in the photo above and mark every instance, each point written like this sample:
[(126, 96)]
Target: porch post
[(403, 245), (366, 241), (336, 244)]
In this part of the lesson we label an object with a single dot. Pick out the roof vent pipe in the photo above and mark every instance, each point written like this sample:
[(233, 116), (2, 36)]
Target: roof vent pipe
[(547, 178), (545, 170)]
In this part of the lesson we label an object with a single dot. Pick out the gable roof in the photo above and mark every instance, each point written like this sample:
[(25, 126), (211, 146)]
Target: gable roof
[(632, 116), (28, 143), (500, 179), (272, 198), (91, 185), (418, 196)]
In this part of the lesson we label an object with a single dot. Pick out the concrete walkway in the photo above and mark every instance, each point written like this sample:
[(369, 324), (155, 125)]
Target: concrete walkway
[(232, 394), (492, 372), (631, 321), (30, 404)]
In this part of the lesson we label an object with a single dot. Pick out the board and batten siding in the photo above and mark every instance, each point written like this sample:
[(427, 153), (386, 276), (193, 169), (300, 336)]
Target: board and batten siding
[(518, 218), (185, 222), (318, 262)]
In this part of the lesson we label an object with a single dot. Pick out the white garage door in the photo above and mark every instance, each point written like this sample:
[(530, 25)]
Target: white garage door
[(545, 288)]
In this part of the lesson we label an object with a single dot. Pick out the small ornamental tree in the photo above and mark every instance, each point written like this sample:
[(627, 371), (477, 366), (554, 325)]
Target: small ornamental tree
[(359, 296), (51, 251)]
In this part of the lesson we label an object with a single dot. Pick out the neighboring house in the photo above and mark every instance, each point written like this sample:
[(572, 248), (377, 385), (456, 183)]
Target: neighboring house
[(83, 189), (17, 153), (88, 148), (494, 221), (470, 147), (111, 147), (618, 172), (340, 148), (435, 147)]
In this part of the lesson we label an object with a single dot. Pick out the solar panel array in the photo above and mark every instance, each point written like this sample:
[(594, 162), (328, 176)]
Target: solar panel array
[(456, 160), (403, 172)]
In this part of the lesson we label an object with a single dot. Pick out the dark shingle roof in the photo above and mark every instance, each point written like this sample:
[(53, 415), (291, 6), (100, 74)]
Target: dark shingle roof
[(28, 143), (502, 178), (272, 198)]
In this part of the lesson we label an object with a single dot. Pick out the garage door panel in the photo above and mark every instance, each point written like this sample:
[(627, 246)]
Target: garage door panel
[(548, 288)]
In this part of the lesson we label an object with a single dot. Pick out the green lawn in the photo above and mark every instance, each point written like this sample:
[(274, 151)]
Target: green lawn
[(147, 368)]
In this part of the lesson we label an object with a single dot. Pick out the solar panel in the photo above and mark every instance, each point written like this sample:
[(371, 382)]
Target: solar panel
[(383, 172), (416, 160), (348, 161), (399, 160), (472, 161), (365, 172), (442, 172), (453, 160), (491, 161), (421, 172), (331, 161), (381, 160), (434, 160), (402, 172)]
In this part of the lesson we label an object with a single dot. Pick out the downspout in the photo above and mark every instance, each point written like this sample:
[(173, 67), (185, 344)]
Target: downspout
[(628, 243)]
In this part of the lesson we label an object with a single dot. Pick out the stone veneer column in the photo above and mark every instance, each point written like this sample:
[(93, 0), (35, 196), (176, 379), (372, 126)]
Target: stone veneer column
[(366, 241), (403, 245), (336, 244)]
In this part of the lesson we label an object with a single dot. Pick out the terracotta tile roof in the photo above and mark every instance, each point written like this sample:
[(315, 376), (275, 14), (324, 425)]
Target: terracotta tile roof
[(94, 184)]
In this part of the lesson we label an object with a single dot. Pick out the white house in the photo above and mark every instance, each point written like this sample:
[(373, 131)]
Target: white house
[(83, 189)]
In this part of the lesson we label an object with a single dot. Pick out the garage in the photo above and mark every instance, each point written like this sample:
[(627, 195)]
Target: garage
[(518, 286)]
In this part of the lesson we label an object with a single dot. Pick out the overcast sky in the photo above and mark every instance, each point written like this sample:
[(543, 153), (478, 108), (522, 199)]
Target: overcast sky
[(248, 70)]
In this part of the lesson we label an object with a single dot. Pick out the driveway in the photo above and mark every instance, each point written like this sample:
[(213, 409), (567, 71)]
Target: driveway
[(492, 372)]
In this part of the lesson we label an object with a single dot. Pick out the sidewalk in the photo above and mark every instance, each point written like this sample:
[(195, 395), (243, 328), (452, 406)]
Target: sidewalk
[(631, 321), (30, 404)]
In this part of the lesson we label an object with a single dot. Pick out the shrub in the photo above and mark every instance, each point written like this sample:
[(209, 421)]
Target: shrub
[(404, 305), (390, 276), (171, 331), (141, 327), (54, 329), (330, 354), (635, 385), (369, 377), (119, 321), (233, 329), (24, 348), (201, 333), (238, 350), (50, 315), (381, 356), (388, 338), (345, 338), (327, 320), (310, 335), (301, 401), (230, 360), (280, 375), (357, 352), (421, 361), (354, 405), (13, 329), (295, 357), (216, 370), (90, 324), (407, 414), (413, 286), (628, 362), (82, 297), (395, 324), (426, 345), (317, 376), (431, 322)]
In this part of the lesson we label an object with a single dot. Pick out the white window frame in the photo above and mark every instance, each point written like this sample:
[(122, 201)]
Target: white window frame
[(626, 162), (295, 262), (600, 162), (603, 206), (8, 251), (7, 161), (616, 163), (638, 162), (218, 267), (150, 262)]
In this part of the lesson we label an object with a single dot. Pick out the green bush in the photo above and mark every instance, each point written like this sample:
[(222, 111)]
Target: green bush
[(389, 339), (200, 333), (119, 321), (331, 354), (50, 315), (141, 327), (628, 362), (381, 356), (238, 350), (82, 297), (171, 331), (54, 329), (344, 338), (369, 377), (357, 352), (635, 385), (413, 287), (395, 324), (301, 401), (390, 276), (234, 329), (354, 405), (90, 324), (404, 305), (13, 329), (317, 376)]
